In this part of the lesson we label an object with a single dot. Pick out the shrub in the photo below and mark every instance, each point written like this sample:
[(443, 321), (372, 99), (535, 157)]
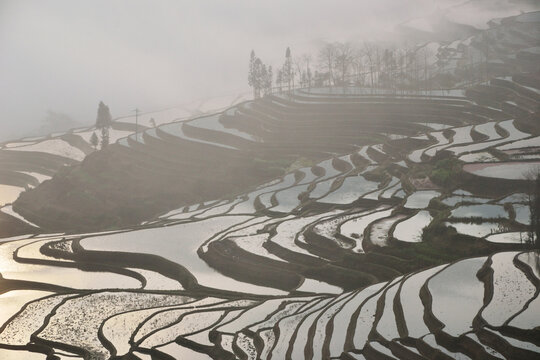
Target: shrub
[(444, 171)]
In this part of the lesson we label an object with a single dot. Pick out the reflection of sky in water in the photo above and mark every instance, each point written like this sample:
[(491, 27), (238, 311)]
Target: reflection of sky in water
[(511, 289), (410, 230), (509, 237), (511, 171), (420, 199), (353, 187), (483, 211), (379, 230), (453, 200), (62, 276), (413, 309), (12, 301), (9, 194), (179, 243), (457, 295), (523, 214), (288, 199), (354, 228), (478, 230)]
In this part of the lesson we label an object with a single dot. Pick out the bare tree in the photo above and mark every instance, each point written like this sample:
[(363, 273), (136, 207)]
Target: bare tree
[(387, 75), (378, 62), (358, 66), (412, 68), (267, 79), (302, 66), (306, 58), (327, 60), (426, 53), (287, 71), (297, 65), (369, 53), (400, 59), (279, 80), (344, 57)]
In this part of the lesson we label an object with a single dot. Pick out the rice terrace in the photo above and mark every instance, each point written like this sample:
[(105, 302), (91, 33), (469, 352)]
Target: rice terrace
[(374, 201)]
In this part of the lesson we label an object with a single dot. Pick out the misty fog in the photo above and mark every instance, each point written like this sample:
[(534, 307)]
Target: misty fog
[(66, 56), (255, 179)]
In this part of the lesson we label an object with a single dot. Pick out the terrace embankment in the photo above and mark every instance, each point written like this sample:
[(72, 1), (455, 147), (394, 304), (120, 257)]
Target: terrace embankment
[(217, 156), (111, 187)]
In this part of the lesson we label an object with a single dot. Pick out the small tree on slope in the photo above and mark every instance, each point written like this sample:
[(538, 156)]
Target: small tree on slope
[(94, 140), (252, 77), (287, 69), (104, 137)]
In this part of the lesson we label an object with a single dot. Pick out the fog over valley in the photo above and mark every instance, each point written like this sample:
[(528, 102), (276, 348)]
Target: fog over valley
[(269, 180), (66, 56)]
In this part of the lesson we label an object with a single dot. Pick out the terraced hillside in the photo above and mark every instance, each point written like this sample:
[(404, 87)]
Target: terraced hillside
[(344, 257), (205, 158), (25, 163), (462, 310), (507, 46), (183, 162), (326, 223)]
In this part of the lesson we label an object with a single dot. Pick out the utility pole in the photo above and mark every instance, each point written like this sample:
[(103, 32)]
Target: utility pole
[(136, 125)]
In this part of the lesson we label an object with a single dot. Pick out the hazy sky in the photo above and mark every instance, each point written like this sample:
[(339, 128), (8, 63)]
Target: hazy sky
[(68, 55)]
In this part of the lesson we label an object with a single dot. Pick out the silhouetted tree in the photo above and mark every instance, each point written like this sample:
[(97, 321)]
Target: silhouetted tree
[(343, 58), (252, 72), (309, 73), (104, 118), (388, 68), (287, 70), (259, 72), (279, 80), (369, 53), (426, 53), (153, 122), (357, 63), (263, 76), (259, 77), (104, 137), (327, 61), (94, 140), (268, 79), (319, 78)]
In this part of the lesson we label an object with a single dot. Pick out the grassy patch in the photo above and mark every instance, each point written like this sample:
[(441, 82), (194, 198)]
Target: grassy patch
[(301, 162), (445, 172)]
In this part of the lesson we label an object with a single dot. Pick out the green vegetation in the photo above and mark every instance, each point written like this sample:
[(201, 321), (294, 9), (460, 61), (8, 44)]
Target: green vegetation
[(379, 174), (445, 172), (274, 166), (301, 162), (94, 140), (440, 244)]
